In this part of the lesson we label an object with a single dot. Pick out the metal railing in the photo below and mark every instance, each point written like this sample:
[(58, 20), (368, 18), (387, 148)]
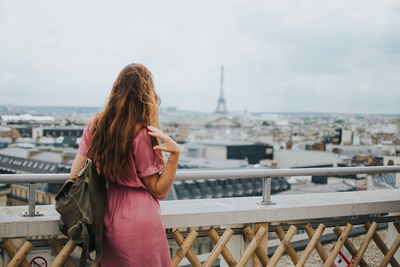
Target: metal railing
[(267, 174)]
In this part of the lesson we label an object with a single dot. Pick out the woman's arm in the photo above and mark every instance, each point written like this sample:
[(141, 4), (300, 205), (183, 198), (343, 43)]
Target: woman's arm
[(159, 184), (81, 157), (79, 161)]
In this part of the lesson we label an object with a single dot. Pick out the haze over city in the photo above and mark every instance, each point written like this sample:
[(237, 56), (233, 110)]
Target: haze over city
[(278, 56)]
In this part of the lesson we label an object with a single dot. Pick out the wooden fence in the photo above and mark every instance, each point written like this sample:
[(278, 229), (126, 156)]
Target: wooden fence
[(257, 236)]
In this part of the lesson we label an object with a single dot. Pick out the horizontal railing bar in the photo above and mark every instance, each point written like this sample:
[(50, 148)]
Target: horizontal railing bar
[(38, 178), (254, 173), (216, 174)]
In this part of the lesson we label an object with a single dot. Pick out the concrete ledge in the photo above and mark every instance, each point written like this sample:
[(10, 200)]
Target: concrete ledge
[(188, 213), (227, 211), (12, 224)]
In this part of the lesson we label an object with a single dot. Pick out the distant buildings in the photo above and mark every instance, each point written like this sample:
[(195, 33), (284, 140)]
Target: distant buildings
[(44, 144), (253, 153), (223, 122), (301, 159), (35, 144), (21, 160), (26, 119)]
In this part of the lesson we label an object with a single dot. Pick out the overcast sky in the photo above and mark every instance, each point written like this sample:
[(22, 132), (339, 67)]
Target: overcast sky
[(322, 56)]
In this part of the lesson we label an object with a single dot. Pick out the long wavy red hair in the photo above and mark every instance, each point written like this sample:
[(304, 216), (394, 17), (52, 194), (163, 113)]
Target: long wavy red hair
[(133, 101)]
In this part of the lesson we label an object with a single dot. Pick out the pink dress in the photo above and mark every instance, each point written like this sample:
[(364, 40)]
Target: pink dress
[(133, 231)]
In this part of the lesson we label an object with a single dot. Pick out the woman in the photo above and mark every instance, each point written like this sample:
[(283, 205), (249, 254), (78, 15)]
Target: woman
[(122, 140)]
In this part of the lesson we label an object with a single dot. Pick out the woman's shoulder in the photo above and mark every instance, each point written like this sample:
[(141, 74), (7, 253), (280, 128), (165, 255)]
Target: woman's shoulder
[(86, 136), (91, 122), (142, 133)]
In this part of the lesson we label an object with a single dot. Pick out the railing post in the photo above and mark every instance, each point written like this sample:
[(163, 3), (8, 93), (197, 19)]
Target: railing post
[(266, 192), (31, 203)]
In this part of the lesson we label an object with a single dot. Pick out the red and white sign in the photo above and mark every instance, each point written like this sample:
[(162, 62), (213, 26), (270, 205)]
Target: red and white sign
[(38, 261), (343, 258), (39, 257)]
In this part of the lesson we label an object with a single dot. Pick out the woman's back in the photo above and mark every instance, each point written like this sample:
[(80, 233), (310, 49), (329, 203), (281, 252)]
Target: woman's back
[(144, 161), (122, 143)]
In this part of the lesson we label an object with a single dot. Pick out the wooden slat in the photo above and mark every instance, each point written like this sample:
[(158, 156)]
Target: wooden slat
[(181, 252), (396, 224), (349, 245), (338, 245), (320, 249), (56, 247), (391, 252), (190, 255), (251, 248), (63, 254), (311, 245), (282, 246), (263, 245), (364, 244), (262, 256), (12, 250), (20, 255), (290, 250), (218, 248), (225, 252), (381, 245)]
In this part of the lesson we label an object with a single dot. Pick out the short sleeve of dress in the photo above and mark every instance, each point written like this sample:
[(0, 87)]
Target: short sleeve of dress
[(147, 160), (85, 141)]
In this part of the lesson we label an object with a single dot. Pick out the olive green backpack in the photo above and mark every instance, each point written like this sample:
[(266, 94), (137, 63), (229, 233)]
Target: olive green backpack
[(81, 204)]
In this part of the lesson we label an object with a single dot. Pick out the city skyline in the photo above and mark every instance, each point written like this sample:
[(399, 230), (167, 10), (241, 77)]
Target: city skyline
[(49, 109), (279, 57)]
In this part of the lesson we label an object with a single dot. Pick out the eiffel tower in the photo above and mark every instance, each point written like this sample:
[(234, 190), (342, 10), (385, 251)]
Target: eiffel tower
[(221, 106)]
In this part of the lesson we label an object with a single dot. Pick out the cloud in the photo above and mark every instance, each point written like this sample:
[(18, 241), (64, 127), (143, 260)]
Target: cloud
[(278, 55)]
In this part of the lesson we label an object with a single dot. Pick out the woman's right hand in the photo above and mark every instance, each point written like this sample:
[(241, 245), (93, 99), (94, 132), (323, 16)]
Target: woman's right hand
[(168, 144)]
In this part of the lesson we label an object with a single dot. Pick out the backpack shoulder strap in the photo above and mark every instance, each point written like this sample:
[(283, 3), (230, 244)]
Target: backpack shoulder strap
[(98, 195), (85, 246)]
